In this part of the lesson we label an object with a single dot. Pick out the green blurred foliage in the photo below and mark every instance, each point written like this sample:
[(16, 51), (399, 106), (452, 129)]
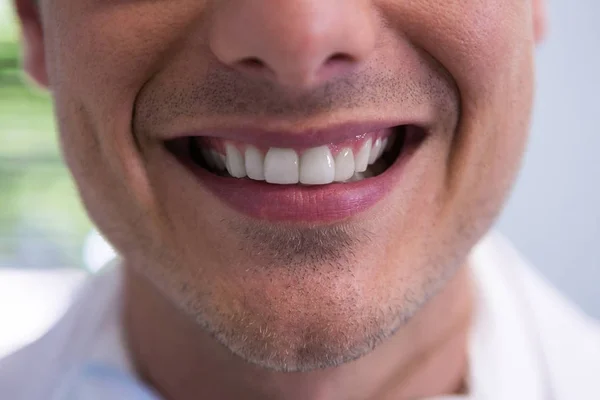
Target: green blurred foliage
[(42, 223)]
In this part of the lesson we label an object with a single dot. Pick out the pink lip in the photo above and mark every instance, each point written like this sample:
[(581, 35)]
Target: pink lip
[(297, 139), (297, 203)]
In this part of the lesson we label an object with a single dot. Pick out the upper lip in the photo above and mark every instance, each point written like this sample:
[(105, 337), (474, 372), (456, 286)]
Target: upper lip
[(295, 139)]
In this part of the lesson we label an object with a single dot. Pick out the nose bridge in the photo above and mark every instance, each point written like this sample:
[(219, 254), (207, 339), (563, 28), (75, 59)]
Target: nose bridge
[(296, 42)]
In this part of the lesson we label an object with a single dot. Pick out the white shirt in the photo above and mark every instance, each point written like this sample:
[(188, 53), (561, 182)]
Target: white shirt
[(527, 342)]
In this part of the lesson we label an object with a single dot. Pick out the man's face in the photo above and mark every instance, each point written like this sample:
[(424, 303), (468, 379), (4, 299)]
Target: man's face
[(292, 276)]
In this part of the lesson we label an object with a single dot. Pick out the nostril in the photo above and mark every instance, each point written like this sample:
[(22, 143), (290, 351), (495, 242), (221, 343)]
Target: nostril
[(337, 64), (339, 58), (254, 63), (254, 66)]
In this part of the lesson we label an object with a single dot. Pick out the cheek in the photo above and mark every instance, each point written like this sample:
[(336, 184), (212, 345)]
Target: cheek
[(112, 46), (481, 43), (99, 54), (486, 47)]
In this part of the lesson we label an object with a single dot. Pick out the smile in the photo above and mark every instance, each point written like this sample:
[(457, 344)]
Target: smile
[(319, 176)]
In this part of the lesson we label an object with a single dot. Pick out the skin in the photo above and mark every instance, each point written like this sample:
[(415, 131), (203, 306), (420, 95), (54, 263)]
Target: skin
[(374, 307)]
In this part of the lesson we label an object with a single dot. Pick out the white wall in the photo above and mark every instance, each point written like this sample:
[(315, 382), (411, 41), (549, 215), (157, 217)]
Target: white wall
[(553, 216)]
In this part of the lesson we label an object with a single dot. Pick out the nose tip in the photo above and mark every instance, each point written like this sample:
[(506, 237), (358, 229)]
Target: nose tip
[(298, 43)]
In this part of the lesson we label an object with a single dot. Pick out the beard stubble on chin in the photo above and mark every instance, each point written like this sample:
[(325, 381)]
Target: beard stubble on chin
[(322, 320)]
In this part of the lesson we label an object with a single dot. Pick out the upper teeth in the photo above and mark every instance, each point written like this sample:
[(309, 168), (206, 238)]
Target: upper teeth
[(314, 166)]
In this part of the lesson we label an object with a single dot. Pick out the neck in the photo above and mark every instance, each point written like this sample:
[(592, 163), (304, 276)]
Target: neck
[(426, 357)]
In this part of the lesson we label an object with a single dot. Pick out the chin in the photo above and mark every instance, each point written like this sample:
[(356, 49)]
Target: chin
[(293, 341), (302, 317)]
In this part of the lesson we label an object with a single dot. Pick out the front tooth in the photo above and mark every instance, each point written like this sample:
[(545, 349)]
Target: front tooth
[(375, 151), (317, 166), (281, 166), (344, 165), (234, 161), (255, 164), (361, 161)]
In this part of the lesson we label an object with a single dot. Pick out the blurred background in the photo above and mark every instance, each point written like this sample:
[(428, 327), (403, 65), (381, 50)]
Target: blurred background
[(553, 216), (42, 223)]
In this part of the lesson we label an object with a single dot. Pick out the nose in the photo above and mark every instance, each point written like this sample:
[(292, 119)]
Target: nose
[(297, 43)]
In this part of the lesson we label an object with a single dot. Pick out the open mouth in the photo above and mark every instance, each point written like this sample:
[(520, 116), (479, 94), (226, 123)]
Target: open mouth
[(324, 182), (362, 157)]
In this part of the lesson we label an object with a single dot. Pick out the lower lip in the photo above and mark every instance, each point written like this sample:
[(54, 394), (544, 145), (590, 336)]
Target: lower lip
[(297, 203)]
